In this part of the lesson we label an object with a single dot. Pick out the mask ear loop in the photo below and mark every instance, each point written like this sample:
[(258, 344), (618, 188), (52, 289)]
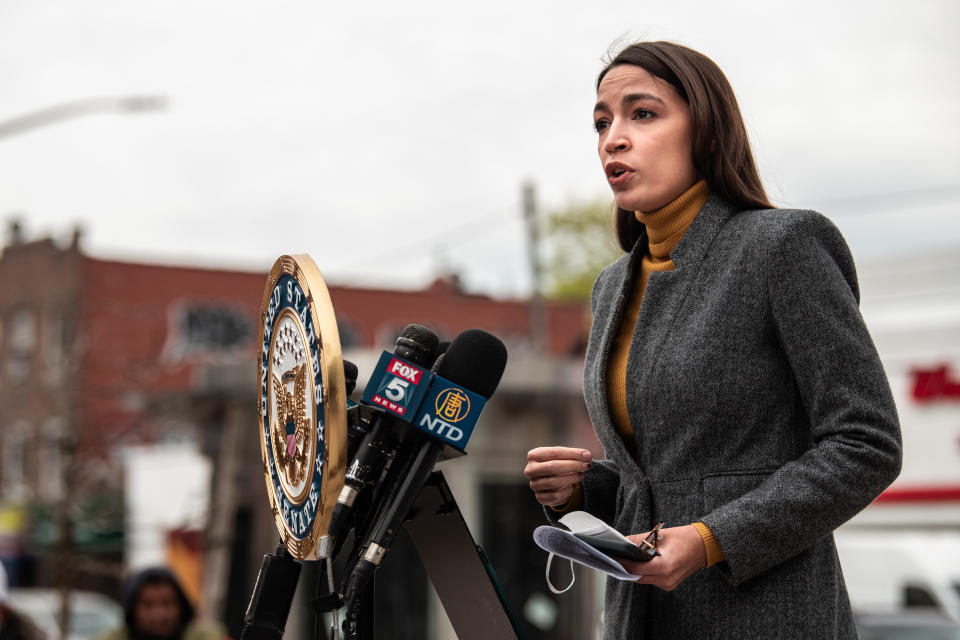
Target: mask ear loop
[(573, 577)]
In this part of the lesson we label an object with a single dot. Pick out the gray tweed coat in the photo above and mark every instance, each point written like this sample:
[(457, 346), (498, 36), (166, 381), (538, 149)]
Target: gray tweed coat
[(759, 407)]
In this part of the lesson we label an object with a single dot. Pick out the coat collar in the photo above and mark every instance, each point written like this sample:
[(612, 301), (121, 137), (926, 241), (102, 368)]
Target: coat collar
[(693, 247)]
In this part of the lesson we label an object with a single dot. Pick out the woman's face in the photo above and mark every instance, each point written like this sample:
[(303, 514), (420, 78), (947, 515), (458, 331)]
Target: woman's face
[(645, 138)]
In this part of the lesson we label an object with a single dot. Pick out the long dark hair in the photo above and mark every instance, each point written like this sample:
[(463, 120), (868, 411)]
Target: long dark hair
[(721, 149)]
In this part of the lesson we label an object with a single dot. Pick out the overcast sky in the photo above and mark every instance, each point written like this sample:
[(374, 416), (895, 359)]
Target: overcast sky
[(385, 138)]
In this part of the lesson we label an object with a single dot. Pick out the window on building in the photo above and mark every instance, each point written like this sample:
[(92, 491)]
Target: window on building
[(50, 459), (54, 343), (14, 472), (207, 330), (21, 344)]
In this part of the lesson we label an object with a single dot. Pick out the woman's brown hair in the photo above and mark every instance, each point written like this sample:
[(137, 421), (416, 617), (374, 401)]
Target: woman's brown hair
[(721, 150)]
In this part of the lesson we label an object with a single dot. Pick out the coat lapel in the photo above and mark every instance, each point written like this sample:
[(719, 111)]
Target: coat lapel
[(611, 300), (662, 299), (666, 290)]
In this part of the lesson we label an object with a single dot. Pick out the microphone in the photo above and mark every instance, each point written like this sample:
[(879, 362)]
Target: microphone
[(350, 372), (441, 349), (416, 344), (357, 427), (474, 361)]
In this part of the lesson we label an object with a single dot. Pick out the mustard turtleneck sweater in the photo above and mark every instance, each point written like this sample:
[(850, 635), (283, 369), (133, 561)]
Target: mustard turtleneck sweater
[(665, 228)]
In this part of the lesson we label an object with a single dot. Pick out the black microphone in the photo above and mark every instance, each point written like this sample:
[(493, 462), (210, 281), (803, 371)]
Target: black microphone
[(357, 425), (441, 349), (416, 344), (350, 372), (475, 360)]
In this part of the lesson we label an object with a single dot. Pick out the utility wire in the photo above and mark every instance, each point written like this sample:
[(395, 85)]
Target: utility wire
[(77, 108)]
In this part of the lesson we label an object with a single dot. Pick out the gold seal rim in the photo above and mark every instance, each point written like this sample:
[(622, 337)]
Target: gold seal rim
[(305, 272)]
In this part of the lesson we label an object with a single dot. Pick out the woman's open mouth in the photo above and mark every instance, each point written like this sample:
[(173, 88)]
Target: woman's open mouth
[(617, 173)]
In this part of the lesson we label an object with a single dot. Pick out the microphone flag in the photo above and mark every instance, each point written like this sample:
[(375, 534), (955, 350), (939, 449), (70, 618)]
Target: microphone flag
[(397, 385), (431, 403), (449, 412)]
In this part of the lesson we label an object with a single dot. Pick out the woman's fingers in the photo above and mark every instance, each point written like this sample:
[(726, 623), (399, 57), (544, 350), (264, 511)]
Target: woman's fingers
[(552, 483), (638, 538), (536, 470), (543, 454), (553, 471), (682, 553), (556, 461)]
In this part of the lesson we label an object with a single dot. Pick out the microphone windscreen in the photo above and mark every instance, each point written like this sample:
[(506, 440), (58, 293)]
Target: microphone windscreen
[(421, 335), (441, 352), (418, 344), (475, 360), (350, 372)]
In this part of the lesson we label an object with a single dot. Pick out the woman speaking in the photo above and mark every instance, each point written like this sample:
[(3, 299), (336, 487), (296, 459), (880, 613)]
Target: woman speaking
[(729, 375)]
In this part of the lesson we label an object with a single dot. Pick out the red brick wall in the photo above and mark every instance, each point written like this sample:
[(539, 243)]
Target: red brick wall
[(126, 328)]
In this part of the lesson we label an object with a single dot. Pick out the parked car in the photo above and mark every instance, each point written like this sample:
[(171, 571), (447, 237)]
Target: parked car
[(91, 614), (916, 624), (887, 570)]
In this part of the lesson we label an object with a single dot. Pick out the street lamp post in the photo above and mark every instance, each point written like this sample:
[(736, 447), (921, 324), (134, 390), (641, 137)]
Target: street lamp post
[(78, 108)]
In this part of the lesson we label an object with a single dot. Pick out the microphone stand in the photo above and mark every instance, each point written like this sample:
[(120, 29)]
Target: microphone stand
[(460, 571), (359, 623), (359, 620)]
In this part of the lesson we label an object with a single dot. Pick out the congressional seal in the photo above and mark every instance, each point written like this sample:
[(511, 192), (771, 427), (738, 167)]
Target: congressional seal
[(301, 405)]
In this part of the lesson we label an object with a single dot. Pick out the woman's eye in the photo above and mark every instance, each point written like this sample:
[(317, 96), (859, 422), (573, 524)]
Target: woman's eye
[(600, 125), (643, 114)]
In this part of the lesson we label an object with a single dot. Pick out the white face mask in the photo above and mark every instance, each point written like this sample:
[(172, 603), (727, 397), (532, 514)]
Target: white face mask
[(563, 543), (552, 588)]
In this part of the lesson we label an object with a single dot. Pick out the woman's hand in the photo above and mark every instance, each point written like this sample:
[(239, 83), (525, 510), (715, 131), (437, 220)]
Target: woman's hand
[(682, 553), (552, 472)]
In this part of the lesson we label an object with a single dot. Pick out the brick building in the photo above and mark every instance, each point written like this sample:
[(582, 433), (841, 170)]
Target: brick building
[(98, 355)]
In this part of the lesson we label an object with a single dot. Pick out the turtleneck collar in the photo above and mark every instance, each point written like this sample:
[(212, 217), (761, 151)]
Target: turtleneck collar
[(666, 225)]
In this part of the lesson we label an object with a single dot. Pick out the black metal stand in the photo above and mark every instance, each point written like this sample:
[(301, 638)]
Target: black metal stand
[(359, 623), (457, 566)]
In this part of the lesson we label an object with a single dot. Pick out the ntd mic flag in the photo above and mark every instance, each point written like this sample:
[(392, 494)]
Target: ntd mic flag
[(449, 412)]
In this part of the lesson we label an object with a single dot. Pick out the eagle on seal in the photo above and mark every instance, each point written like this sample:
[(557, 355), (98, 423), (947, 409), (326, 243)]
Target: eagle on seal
[(290, 429)]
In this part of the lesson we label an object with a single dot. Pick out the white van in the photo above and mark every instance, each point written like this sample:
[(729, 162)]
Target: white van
[(893, 569)]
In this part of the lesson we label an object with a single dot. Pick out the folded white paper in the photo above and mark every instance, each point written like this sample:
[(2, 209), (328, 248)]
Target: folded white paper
[(566, 545)]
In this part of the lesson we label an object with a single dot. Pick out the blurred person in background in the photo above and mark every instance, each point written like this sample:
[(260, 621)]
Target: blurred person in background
[(13, 624), (729, 375), (156, 608)]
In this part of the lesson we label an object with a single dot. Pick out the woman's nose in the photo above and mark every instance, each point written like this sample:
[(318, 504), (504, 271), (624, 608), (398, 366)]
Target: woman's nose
[(616, 139)]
